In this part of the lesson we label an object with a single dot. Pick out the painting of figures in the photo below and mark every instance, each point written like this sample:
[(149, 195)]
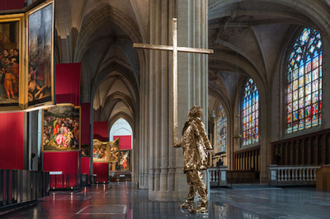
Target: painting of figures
[(100, 151), (9, 64), (40, 65), (61, 128), (124, 163), (85, 150), (114, 151)]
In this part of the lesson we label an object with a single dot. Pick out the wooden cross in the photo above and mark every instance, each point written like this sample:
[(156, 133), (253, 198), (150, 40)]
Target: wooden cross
[(175, 49)]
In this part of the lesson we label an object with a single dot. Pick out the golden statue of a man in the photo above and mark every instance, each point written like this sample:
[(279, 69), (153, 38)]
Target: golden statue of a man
[(196, 147)]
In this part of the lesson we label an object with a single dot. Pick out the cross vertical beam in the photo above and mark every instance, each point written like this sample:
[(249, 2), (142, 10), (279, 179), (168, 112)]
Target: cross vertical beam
[(175, 124)]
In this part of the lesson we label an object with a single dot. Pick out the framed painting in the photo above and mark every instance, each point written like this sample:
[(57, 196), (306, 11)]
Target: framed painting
[(124, 163), (85, 150), (11, 62), (100, 151), (40, 55), (61, 127), (114, 151)]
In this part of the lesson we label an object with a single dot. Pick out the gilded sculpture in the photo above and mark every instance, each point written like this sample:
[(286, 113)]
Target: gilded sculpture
[(196, 147)]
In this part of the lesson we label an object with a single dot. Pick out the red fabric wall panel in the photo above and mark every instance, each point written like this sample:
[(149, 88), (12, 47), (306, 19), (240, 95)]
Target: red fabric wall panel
[(11, 135), (85, 122), (101, 171), (125, 141), (84, 165), (61, 161), (67, 83), (101, 131), (11, 4)]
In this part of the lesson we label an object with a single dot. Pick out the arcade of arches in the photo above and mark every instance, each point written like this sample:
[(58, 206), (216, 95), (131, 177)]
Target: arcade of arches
[(261, 90), (250, 118)]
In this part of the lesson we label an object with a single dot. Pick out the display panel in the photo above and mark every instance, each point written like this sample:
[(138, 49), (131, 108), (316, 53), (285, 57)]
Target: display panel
[(124, 163), (40, 80), (100, 151), (85, 150), (114, 151), (304, 82), (11, 70), (61, 128)]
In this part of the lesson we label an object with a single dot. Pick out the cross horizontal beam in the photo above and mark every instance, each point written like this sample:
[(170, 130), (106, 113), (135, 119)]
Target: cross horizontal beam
[(170, 48)]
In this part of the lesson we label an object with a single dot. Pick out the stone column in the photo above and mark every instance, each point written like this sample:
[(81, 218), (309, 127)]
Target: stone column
[(166, 180), (192, 69), (157, 142)]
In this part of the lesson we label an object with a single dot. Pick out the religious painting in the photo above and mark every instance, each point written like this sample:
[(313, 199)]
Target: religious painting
[(114, 151), (61, 128), (40, 83), (11, 46), (100, 151), (85, 150), (124, 163)]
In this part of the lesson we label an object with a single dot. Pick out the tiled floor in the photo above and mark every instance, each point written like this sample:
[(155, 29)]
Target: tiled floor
[(123, 201)]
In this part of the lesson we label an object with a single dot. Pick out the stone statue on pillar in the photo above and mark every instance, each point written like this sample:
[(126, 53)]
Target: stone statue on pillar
[(196, 148)]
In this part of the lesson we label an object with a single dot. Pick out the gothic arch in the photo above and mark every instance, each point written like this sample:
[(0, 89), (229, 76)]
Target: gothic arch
[(122, 115)]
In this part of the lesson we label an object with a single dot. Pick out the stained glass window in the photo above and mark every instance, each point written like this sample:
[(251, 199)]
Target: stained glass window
[(304, 82), (222, 130), (250, 113)]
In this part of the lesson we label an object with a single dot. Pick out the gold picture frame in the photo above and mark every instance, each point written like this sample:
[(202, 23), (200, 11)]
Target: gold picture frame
[(100, 151), (53, 138), (11, 104), (45, 9), (21, 82)]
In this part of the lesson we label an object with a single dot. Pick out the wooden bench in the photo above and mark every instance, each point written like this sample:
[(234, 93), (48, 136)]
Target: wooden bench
[(242, 176)]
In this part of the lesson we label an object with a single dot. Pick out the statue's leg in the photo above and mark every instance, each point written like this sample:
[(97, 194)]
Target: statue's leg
[(189, 203), (202, 192)]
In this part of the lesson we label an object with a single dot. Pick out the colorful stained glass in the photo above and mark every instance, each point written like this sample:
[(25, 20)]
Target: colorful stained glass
[(308, 89), (295, 95), (315, 74), (308, 122), (315, 97), (308, 111), (301, 124), (289, 130), (289, 98), (308, 100), (222, 130), (295, 74), (315, 86), (304, 82), (295, 85), (308, 78), (301, 92), (250, 117), (295, 115), (301, 103)]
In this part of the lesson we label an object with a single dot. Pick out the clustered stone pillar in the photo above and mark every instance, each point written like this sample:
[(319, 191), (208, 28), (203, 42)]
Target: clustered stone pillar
[(160, 165)]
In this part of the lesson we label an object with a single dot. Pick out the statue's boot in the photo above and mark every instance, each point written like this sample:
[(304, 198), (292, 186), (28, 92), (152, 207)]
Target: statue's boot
[(199, 209), (187, 205)]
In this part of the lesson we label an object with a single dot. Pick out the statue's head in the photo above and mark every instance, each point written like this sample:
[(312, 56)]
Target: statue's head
[(195, 112)]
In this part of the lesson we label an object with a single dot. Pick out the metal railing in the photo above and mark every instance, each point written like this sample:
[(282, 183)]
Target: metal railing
[(292, 175), (218, 176), (18, 186)]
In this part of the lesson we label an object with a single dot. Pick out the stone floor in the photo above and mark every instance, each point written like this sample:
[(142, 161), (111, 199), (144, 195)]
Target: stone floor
[(120, 200)]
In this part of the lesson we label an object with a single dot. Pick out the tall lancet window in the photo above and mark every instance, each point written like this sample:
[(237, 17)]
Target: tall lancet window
[(304, 82), (250, 113), (222, 130)]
